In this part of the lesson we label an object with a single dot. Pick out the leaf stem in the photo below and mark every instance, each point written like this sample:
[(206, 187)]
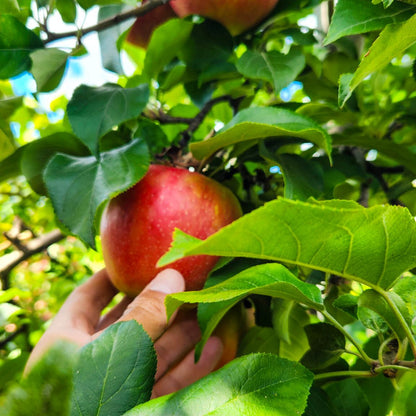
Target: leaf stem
[(392, 367), (362, 353), (401, 319), (346, 373)]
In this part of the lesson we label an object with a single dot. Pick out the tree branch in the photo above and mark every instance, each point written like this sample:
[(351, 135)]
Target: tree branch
[(105, 24), (196, 122), (9, 261)]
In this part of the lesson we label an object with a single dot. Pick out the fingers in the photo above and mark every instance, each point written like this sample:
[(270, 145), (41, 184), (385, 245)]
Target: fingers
[(148, 308), (83, 307), (187, 372), (114, 314), (176, 342)]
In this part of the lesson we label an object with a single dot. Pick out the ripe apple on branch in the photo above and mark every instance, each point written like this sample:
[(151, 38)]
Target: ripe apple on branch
[(137, 225), (236, 15)]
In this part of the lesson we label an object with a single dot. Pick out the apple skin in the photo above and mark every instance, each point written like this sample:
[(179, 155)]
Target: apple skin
[(136, 227), (231, 329), (236, 15), (142, 29)]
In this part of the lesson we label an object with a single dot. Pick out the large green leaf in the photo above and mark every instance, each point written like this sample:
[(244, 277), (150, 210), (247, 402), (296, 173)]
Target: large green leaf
[(36, 155), (165, 44), (79, 186), (361, 16), (256, 384), (348, 398), (394, 40), (370, 245), (275, 67), (271, 279), (16, 44), (114, 372), (268, 279), (48, 67), (261, 123), (94, 111)]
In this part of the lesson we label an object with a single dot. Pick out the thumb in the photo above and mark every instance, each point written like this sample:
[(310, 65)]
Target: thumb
[(148, 308)]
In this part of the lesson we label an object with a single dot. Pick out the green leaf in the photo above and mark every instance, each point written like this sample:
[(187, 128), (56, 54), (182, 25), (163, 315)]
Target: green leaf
[(370, 245), (257, 123), (48, 67), (348, 398), (360, 16), (289, 320), (277, 68), (326, 343), (79, 186), (319, 404), (208, 45), (348, 303), (7, 145), (404, 403), (209, 316), (94, 111), (9, 7), (259, 339), (8, 106), (110, 54), (302, 177), (36, 155), (16, 44), (270, 279), (10, 166), (86, 4), (114, 372), (67, 10), (374, 301), (46, 390), (394, 40), (256, 384), (165, 44)]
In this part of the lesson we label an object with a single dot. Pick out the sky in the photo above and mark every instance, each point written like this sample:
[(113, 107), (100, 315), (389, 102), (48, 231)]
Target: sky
[(86, 69)]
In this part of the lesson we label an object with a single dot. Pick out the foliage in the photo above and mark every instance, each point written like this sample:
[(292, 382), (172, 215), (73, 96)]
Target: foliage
[(309, 118)]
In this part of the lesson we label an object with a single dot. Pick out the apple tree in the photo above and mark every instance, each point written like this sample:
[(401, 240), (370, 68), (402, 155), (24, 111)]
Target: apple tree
[(307, 115)]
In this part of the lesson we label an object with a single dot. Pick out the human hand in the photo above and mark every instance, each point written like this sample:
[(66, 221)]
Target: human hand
[(80, 321)]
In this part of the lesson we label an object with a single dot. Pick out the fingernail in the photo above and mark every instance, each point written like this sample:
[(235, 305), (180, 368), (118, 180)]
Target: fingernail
[(168, 281)]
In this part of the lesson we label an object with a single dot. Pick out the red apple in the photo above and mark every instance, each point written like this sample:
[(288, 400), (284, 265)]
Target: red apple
[(236, 15), (142, 29), (230, 330), (137, 225)]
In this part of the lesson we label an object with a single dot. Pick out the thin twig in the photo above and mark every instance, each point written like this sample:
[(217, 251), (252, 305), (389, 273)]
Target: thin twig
[(196, 122), (13, 335), (105, 24), (9, 261)]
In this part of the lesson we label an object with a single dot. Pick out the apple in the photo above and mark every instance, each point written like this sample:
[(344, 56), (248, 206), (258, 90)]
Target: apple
[(236, 15), (136, 227), (142, 29), (230, 330)]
